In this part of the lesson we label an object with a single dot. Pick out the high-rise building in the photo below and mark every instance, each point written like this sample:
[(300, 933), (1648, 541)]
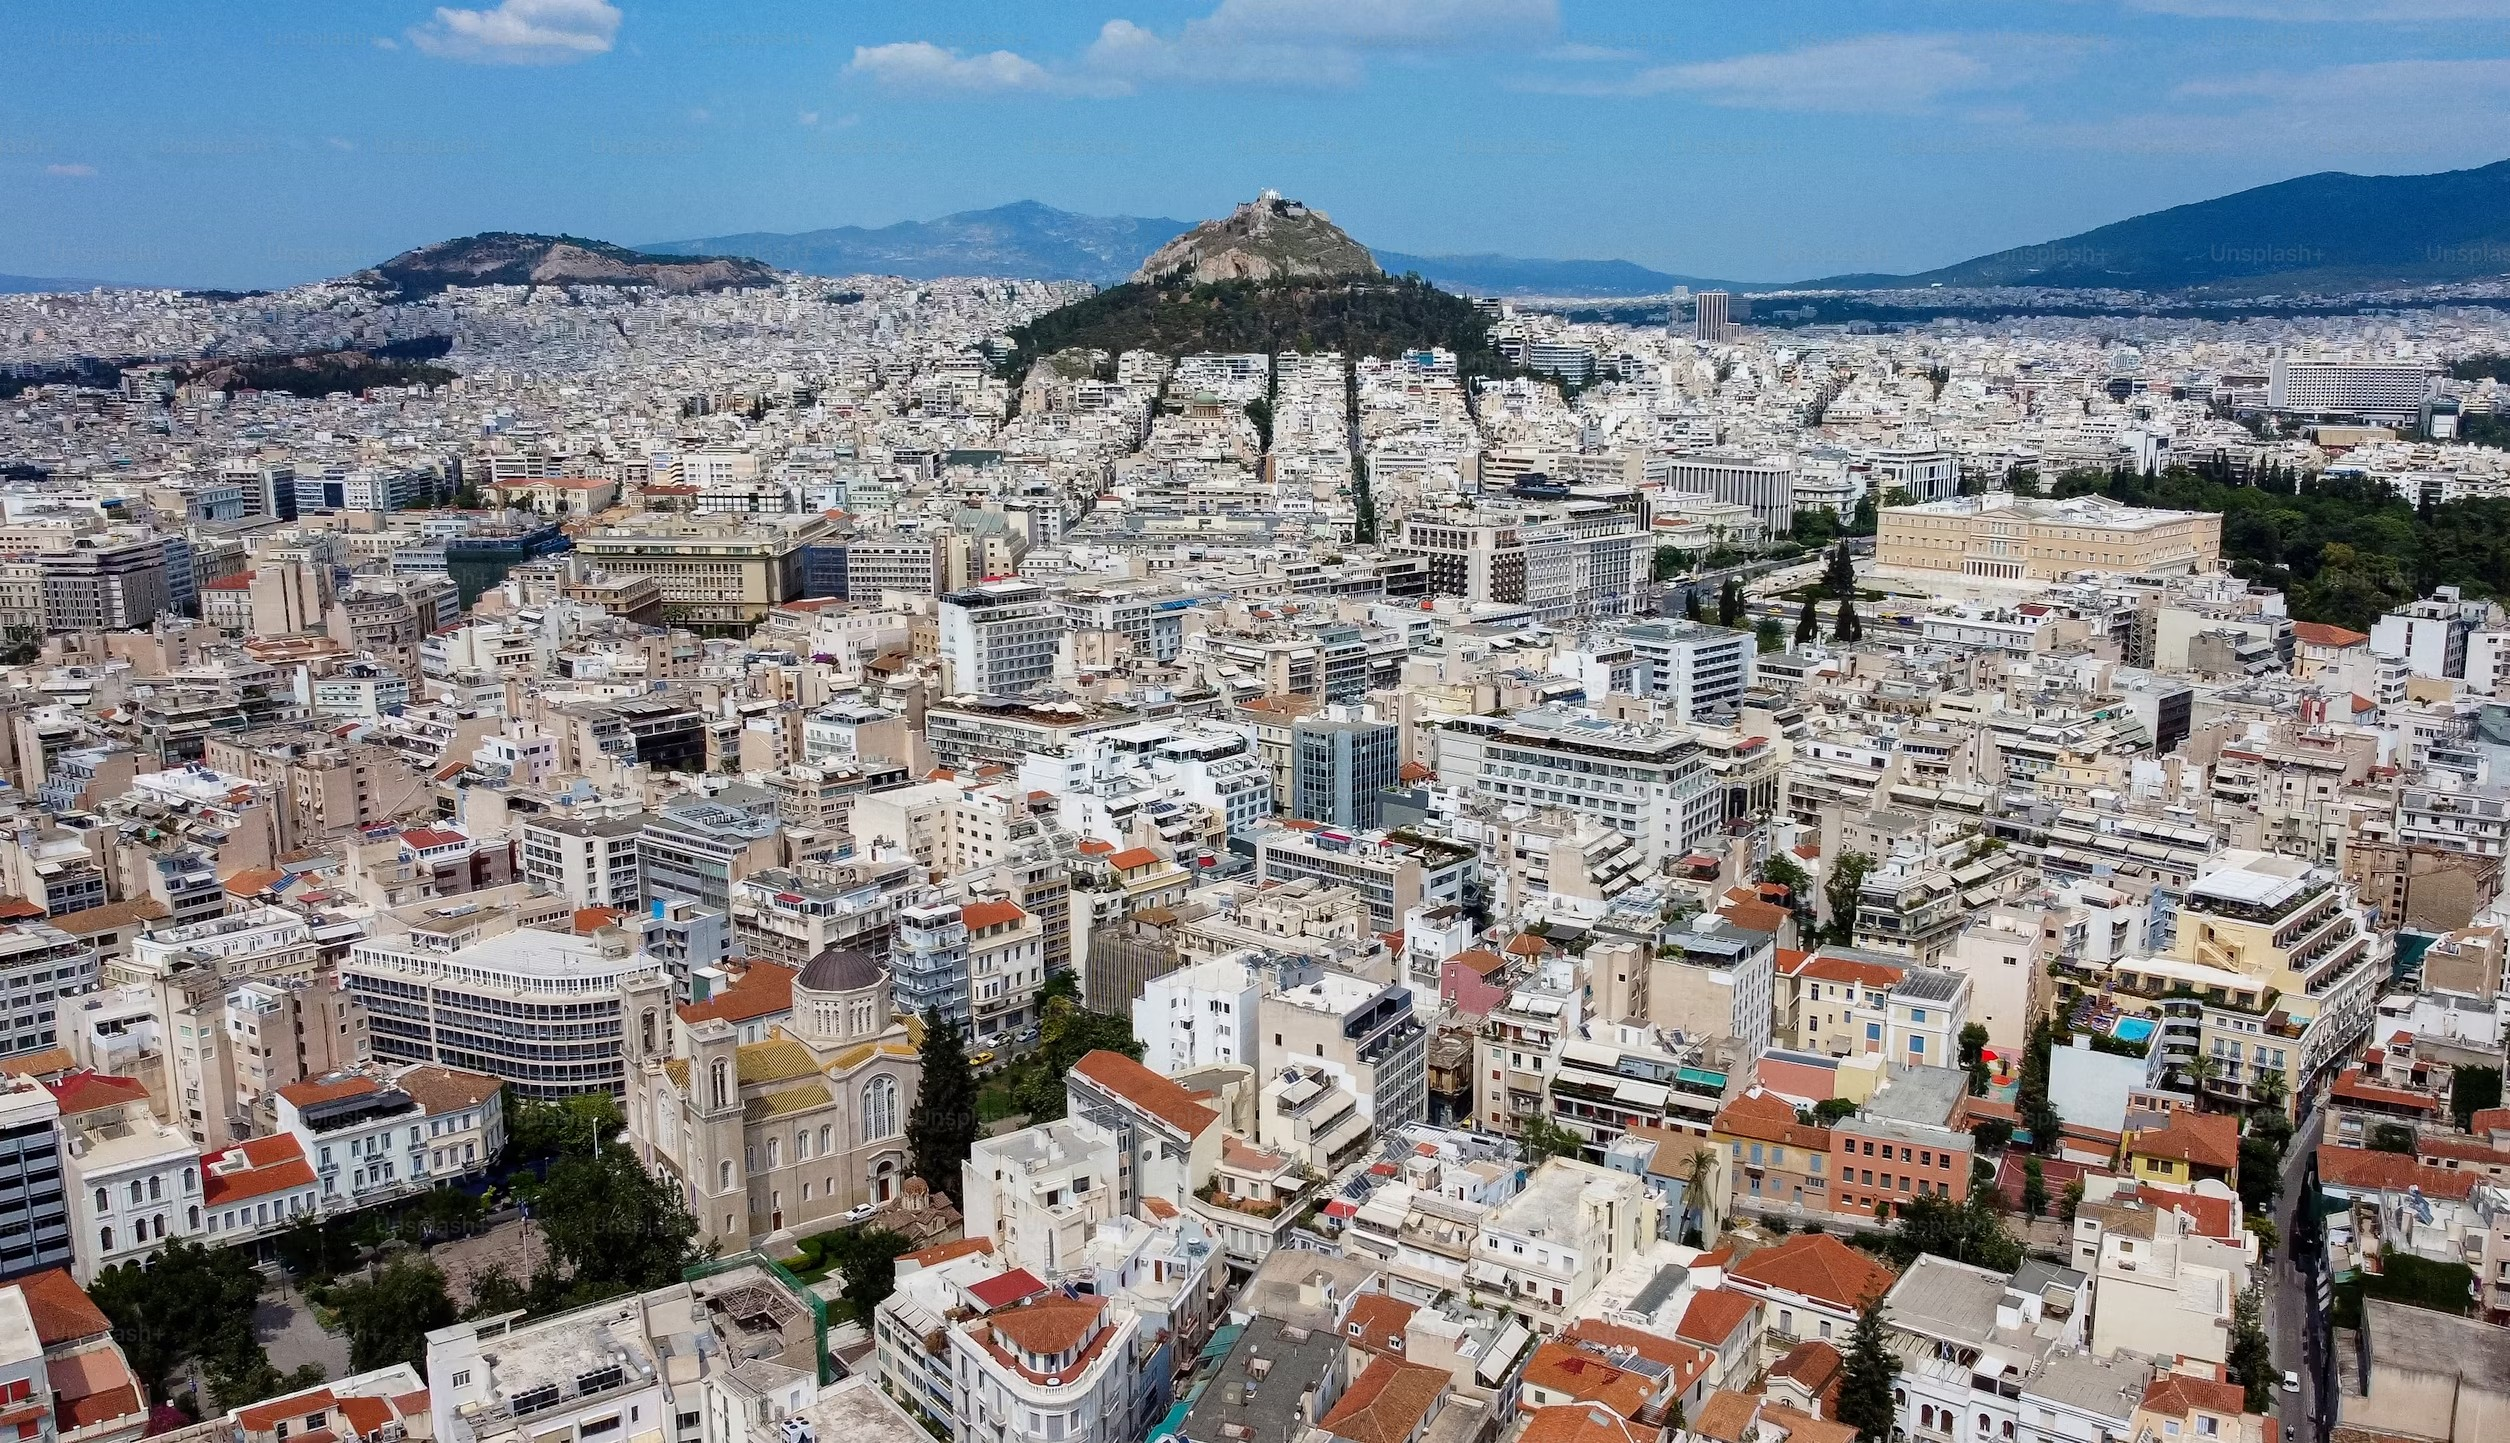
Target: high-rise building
[(108, 582), (34, 1204), (1709, 313), (1341, 767), (998, 638), (2371, 390)]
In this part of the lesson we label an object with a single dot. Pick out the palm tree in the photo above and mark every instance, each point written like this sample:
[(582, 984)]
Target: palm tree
[(1697, 1174), (2270, 1090), (2201, 1072)]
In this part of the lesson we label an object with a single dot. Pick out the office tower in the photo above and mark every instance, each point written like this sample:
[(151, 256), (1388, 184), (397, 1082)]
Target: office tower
[(1341, 768), (1709, 318)]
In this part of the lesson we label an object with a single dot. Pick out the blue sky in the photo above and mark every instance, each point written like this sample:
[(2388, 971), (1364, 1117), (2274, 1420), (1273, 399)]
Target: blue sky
[(270, 142)]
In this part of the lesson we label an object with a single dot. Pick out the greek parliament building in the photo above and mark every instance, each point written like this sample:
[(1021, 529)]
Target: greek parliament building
[(2001, 537)]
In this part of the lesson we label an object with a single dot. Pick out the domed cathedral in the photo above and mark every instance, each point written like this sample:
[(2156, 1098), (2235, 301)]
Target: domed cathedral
[(784, 1132)]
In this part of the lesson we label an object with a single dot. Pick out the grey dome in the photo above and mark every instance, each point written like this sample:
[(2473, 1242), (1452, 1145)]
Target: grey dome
[(840, 969)]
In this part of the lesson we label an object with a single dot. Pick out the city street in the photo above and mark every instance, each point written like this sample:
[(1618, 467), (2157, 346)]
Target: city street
[(2290, 1304)]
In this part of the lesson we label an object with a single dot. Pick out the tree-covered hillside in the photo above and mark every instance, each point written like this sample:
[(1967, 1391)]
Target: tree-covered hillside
[(1360, 318)]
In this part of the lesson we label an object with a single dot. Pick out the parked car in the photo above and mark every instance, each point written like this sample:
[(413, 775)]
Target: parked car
[(860, 1211), (979, 1059), (2292, 1382)]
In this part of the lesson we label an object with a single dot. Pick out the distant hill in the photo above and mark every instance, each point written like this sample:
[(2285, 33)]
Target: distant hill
[(1497, 275), (1269, 238), (1025, 240), (506, 258), (2315, 233)]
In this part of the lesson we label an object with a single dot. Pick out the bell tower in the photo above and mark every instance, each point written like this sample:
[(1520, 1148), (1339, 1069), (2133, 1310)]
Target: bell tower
[(718, 1177)]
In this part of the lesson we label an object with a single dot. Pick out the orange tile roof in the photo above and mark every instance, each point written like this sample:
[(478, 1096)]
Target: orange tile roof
[(1131, 857), (1767, 1117), (2359, 1167), (765, 989), (1813, 1365), (1160, 1096), (1714, 1317), (262, 1417), (1686, 1361), (1816, 1266), (84, 1091), (62, 1311), (253, 881), (979, 915), (1726, 1416), (38, 1062), (2351, 1085), (1822, 967), (1756, 915), (255, 1167), (2178, 1394), (940, 1253), (441, 1089), (1387, 1403), (588, 920), (1575, 1423), (366, 1416), (1804, 1427), (2319, 633), (1051, 1324), (1378, 1321), (329, 1089), (1576, 1373), (2200, 1139)]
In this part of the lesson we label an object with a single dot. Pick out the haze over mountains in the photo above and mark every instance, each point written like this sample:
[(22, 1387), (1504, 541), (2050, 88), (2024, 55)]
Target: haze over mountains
[(2315, 233)]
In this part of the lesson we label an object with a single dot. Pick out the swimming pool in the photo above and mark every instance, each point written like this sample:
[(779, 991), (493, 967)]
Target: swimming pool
[(2132, 1029)]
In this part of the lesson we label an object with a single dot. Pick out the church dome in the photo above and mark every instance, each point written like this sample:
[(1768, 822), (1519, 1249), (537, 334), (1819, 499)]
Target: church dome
[(840, 969)]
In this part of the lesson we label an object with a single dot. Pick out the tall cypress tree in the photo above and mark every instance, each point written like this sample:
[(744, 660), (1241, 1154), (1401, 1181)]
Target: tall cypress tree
[(1865, 1392), (1846, 627), (1808, 622), (1840, 578), (1730, 603), (941, 1131)]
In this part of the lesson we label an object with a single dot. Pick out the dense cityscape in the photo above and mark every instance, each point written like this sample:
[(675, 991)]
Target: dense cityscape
[(731, 856)]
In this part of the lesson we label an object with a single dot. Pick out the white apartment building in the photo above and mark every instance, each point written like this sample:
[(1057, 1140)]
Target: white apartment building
[(1701, 670), (1549, 1246), (998, 638), (1201, 1015), (1039, 1192), (540, 1010), (1051, 1370), (1650, 784), (132, 1181), (1363, 1033), (2369, 389), (592, 863)]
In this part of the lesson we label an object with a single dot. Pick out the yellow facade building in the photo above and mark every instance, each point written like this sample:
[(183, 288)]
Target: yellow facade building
[(2001, 537)]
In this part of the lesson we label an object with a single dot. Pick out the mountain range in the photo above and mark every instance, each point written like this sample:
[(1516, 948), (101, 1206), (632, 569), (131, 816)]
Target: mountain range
[(508, 258), (2314, 233), (1024, 239)]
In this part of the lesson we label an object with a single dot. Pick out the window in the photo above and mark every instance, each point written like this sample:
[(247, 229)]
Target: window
[(880, 1108), (104, 1239), (462, 1379)]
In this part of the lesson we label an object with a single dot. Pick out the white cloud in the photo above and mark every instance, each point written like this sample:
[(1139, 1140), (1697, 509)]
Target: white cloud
[(810, 117), (1304, 43), (1576, 54), (920, 65), (71, 169), (2351, 11), (386, 42), (521, 32), (2384, 113), (1871, 74)]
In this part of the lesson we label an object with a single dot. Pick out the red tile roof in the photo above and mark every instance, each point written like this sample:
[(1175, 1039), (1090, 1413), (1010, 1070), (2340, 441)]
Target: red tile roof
[(2362, 1169), (1823, 967), (329, 1089), (1004, 1289), (1727, 1416), (979, 915), (1132, 857), (1716, 1316), (1049, 1325), (1377, 1321), (1149, 1091), (2176, 1395), (1816, 1266), (2319, 633), (1388, 1403), (2200, 1139), (441, 1089), (253, 1168), (765, 989), (87, 1091), (62, 1310), (940, 1253), (1814, 1366), (1577, 1423), (1584, 1376)]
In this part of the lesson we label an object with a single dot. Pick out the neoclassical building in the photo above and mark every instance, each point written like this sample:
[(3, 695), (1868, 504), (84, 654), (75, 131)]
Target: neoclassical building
[(785, 1131)]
